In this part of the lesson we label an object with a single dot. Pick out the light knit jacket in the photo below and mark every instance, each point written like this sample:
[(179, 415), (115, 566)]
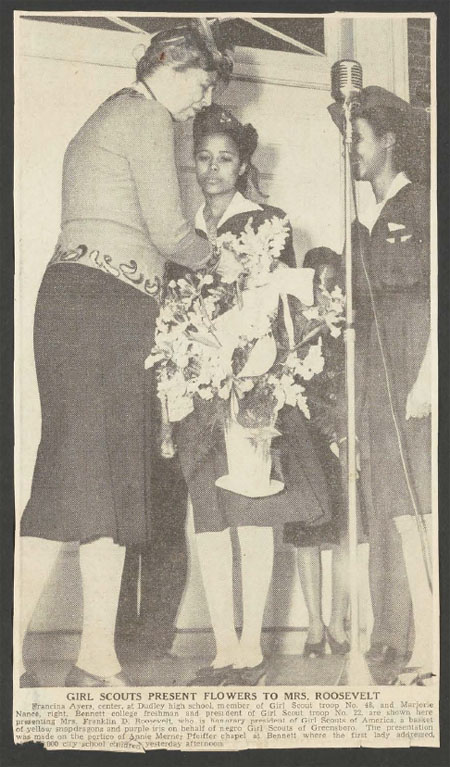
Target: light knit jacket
[(121, 206)]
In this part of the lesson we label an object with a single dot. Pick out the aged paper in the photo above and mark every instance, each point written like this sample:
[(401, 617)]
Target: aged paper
[(119, 639)]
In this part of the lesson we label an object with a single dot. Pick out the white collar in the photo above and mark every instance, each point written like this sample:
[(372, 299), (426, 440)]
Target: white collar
[(238, 204), (397, 183), (372, 213)]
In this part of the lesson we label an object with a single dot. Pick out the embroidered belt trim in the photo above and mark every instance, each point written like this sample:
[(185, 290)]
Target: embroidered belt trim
[(129, 272)]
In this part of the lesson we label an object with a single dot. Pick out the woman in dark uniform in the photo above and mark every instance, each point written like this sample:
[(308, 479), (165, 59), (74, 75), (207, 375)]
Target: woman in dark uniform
[(223, 152), (392, 292), (95, 316)]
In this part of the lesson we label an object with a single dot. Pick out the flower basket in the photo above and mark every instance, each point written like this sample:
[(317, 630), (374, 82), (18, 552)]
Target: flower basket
[(249, 458)]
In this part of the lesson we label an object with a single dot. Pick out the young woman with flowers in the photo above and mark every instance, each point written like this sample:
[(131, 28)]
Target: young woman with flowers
[(233, 350)]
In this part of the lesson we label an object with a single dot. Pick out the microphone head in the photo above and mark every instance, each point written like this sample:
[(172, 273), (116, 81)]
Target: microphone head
[(346, 80), (219, 50)]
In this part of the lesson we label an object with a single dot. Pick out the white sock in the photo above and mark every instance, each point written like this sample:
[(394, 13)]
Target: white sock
[(257, 552), (36, 559), (421, 595), (216, 563), (101, 564)]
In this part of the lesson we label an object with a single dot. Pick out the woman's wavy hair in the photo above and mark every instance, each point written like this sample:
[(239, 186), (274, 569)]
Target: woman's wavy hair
[(216, 119), (185, 47), (412, 137)]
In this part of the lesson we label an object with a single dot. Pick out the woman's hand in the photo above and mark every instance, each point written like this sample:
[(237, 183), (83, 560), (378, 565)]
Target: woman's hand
[(418, 403), (334, 447), (340, 450)]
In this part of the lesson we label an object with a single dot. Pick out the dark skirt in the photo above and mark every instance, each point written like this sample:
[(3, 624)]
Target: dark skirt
[(98, 469), (404, 326), (331, 532), (203, 459)]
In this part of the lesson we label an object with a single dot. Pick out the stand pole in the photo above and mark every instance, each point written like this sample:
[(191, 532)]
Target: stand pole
[(357, 671)]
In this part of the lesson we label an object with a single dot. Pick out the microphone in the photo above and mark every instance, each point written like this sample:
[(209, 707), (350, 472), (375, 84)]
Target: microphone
[(346, 81), (221, 54)]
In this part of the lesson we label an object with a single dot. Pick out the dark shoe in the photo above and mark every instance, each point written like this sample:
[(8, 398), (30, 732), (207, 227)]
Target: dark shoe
[(28, 679), (77, 677), (337, 648), (408, 678), (249, 676), (209, 676), (376, 652), (421, 679), (317, 649)]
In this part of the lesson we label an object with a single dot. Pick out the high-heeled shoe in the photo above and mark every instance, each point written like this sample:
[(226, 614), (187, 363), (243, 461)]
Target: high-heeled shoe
[(421, 679), (315, 648), (411, 677), (337, 648)]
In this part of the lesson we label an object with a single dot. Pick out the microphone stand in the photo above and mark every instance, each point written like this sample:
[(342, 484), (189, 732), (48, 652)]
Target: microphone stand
[(357, 671)]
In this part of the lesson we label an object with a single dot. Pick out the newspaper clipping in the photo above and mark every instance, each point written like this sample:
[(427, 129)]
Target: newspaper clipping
[(225, 381)]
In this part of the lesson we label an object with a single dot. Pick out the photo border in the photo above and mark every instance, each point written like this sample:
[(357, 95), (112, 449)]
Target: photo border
[(35, 754)]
